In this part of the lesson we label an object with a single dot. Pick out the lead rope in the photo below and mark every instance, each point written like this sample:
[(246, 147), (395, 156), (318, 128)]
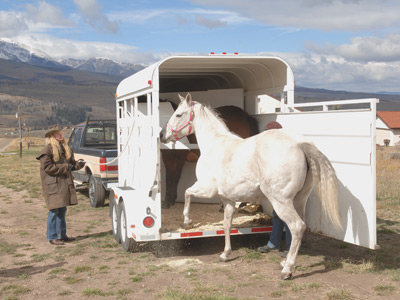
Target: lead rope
[(119, 155)]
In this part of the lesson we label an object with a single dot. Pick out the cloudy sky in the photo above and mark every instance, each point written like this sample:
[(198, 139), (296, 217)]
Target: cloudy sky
[(335, 44)]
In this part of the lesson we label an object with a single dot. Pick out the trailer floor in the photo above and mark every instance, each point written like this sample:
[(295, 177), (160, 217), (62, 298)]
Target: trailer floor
[(207, 217)]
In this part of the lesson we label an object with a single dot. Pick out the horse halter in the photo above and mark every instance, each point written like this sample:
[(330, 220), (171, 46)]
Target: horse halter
[(188, 123)]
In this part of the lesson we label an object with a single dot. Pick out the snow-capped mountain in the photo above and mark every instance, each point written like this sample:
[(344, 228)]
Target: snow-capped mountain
[(21, 53), (103, 65)]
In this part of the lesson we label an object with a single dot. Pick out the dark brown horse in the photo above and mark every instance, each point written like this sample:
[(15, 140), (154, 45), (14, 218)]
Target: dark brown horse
[(237, 120)]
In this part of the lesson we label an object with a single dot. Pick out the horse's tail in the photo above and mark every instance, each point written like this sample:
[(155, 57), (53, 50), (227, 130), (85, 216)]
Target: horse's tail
[(325, 180)]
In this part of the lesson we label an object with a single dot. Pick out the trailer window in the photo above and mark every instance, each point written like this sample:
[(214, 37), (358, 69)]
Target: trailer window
[(144, 105)]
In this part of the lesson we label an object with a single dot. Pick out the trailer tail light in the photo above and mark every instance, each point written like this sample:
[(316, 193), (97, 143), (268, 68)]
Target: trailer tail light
[(148, 222), (104, 167)]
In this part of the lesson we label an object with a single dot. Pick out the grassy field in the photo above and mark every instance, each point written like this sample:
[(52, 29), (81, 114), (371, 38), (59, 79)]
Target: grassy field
[(95, 266)]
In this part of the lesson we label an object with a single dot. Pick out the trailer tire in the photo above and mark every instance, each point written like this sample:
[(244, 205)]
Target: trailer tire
[(128, 244), (97, 193), (115, 221)]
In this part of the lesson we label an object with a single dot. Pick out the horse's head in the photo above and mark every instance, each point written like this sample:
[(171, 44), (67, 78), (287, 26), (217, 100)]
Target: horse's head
[(181, 122)]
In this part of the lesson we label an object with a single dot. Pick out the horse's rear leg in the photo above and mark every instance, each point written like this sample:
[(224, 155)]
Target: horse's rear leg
[(228, 216), (296, 225)]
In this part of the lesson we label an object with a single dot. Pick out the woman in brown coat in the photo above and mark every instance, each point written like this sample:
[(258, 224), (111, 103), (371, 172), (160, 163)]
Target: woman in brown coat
[(56, 163)]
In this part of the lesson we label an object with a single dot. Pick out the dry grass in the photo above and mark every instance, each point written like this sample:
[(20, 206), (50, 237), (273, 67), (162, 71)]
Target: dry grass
[(388, 182), (96, 266), (21, 173)]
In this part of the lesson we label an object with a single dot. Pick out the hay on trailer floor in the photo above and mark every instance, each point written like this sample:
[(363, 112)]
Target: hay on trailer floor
[(206, 217)]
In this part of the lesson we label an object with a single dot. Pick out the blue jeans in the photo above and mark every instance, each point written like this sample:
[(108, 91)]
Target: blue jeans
[(277, 231), (56, 226)]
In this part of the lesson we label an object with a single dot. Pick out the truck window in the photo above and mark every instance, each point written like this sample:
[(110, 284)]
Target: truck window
[(75, 138), (103, 134)]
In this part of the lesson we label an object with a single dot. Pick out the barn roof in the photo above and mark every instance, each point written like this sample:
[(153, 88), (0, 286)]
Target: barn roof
[(391, 118)]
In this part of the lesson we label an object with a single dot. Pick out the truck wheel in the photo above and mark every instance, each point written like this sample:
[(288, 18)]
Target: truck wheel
[(97, 193), (128, 244), (115, 221)]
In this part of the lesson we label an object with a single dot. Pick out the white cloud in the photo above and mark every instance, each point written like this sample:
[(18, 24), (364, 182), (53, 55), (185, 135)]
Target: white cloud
[(63, 48), (365, 49), (91, 13), (203, 17), (11, 24), (34, 19), (210, 23), (46, 13), (336, 73), (346, 15)]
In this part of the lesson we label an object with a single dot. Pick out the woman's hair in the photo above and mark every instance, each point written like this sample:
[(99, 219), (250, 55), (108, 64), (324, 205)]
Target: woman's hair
[(55, 147)]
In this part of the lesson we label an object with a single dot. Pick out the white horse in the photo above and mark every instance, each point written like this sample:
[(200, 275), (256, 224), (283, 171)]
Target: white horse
[(275, 165)]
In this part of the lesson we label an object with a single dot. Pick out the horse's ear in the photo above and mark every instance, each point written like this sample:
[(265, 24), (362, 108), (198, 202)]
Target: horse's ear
[(181, 98), (188, 99)]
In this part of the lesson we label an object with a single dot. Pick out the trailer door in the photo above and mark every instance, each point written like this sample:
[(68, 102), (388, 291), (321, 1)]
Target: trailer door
[(347, 138)]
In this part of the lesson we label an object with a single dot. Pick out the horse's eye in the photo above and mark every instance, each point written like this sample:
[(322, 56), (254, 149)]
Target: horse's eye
[(179, 115)]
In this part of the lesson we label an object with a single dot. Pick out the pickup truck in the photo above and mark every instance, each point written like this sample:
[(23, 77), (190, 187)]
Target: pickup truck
[(95, 141)]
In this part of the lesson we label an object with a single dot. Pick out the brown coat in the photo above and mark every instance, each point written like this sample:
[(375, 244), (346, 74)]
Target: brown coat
[(57, 182)]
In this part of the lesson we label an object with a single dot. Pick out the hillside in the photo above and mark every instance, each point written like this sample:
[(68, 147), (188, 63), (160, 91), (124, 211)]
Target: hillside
[(56, 83), (386, 101), (51, 93)]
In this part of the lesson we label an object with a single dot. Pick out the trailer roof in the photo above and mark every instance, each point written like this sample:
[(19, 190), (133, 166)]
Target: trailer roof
[(196, 73)]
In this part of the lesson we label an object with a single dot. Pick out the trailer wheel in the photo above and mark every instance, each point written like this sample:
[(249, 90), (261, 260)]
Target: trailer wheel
[(128, 244), (97, 193), (115, 221)]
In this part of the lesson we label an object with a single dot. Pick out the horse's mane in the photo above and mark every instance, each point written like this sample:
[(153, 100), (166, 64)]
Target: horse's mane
[(211, 114)]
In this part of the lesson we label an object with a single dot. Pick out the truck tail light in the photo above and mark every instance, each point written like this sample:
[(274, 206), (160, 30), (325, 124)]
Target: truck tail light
[(148, 222), (103, 168)]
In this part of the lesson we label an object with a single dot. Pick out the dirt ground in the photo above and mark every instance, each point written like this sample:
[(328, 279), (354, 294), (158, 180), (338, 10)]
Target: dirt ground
[(95, 266)]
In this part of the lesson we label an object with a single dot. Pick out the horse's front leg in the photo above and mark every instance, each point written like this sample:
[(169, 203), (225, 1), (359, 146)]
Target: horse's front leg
[(228, 216), (196, 190)]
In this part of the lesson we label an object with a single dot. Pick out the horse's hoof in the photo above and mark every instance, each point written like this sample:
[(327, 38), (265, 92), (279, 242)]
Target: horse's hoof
[(223, 258), (187, 226), (286, 276)]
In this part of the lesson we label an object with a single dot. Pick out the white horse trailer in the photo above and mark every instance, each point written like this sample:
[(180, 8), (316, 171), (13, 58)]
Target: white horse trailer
[(345, 136)]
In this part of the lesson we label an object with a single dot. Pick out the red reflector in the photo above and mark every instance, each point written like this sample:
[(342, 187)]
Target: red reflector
[(148, 222), (149, 82), (236, 53), (212, 53), (112, 168), (233, 231), (191, 234), (224, 53), (103, 160), (262, 229)]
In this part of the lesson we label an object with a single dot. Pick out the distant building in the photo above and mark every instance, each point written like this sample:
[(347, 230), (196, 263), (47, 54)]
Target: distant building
[(387, 127)]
